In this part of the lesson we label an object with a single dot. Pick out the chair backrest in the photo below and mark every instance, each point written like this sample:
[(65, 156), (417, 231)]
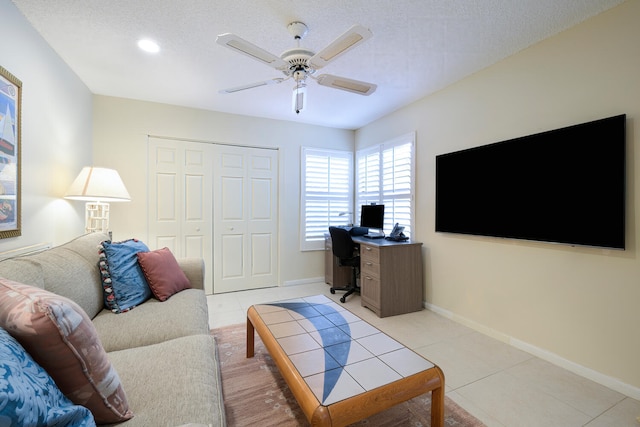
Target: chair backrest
[(341, 243)]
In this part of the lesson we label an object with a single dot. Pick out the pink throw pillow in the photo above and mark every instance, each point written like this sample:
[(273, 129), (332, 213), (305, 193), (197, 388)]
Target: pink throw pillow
[(60, 337), (163, 274)]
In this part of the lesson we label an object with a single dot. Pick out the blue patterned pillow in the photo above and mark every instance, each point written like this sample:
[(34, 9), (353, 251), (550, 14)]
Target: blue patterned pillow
[(122, 279), (29, 396)]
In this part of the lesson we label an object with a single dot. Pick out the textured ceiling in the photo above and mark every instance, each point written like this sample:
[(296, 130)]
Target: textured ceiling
[(418, 47)]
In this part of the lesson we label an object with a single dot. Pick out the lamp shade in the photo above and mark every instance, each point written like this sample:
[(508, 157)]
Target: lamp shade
[(98, 185)]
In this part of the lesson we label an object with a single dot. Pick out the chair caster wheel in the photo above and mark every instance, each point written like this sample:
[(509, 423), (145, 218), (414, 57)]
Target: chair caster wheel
[(332, 291), (343, 300)]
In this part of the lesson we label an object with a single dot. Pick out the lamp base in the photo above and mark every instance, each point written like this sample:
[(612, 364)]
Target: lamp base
[(96, 217)]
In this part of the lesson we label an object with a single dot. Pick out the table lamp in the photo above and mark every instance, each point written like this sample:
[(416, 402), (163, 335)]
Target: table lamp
[(98, 187)]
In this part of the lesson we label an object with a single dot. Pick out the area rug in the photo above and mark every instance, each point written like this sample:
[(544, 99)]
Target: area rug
[(255, 394)]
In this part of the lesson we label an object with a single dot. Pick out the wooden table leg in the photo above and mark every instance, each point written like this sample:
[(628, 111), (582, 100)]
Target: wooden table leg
[(250, 338), (437, 402)]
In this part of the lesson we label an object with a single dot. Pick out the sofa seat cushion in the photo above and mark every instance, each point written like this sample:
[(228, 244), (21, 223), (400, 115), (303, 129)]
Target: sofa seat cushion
[(28, 394), (185, 313), (181, 386)]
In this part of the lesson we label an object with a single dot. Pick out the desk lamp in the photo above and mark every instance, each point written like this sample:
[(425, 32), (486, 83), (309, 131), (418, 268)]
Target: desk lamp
[(97, 186), (347, 213)]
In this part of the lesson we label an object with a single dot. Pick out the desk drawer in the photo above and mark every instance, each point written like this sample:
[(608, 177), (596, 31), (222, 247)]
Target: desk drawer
[(369, 267), (371, 253), (370, 291)]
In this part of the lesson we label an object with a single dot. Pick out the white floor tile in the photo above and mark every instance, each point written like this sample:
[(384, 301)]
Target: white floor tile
[(515, 403), (581, 393), (624, 414)]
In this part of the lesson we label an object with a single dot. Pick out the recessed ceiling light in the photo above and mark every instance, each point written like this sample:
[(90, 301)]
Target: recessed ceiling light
[(148, 46)]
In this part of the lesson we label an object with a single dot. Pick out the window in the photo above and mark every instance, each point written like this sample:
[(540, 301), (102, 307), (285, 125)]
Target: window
[(327, 183), (385, 175)]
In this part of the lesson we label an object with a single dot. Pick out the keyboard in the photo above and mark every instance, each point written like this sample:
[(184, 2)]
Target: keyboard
[(374, 235)]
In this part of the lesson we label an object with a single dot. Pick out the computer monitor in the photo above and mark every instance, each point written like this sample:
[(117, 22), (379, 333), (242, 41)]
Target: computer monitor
[(372, 216)]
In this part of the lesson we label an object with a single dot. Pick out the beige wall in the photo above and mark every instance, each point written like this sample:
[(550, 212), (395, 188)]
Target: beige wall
[(563, 302), (56, 133), (121, 127)]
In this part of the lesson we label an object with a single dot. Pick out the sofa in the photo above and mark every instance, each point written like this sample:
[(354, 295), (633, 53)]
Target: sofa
[(161, 352)]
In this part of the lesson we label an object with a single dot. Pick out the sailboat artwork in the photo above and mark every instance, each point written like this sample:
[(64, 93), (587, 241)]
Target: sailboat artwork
[(7, 134), (10, 97)]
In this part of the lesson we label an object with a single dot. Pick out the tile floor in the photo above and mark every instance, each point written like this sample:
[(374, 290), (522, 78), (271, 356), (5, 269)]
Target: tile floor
[(497, 383)]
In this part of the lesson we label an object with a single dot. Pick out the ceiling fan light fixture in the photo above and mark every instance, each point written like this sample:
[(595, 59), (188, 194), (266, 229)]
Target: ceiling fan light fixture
[(299, 97)]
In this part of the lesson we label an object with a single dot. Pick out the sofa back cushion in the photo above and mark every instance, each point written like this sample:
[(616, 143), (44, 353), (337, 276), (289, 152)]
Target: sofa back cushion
[(70, 270), (23, 270)]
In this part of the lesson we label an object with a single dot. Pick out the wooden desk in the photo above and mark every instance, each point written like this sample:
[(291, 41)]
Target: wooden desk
[(391, 276)]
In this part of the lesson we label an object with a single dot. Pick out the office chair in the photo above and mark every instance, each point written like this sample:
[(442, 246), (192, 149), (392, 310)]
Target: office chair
[(344, 249)]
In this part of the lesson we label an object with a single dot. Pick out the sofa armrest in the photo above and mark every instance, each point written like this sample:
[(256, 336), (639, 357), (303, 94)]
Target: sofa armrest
[(194, 270)]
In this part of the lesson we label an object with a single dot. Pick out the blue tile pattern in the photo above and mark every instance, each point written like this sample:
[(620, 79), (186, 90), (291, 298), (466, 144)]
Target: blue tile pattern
[(330, 336), (337, 354)]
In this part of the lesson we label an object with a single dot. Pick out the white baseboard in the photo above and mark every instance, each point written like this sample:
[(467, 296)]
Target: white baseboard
[(304, 281), (583, 371)]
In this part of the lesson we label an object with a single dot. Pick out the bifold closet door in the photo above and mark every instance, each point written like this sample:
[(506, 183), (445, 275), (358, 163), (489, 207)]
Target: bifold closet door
[(219, 203), (180, 200), (245, 212)]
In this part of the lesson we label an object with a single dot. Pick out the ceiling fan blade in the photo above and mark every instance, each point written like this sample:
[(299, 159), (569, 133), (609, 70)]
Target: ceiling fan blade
[(350, 85), (244, 47), (350, 39), (252, 85)]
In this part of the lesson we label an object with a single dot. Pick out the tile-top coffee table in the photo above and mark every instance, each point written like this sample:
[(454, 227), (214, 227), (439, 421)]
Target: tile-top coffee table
[(340, 368)]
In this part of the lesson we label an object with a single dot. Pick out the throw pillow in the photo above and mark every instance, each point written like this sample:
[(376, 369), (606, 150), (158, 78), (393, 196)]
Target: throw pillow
[(163, 274), (122, 279), (28, 395), (59, 336)]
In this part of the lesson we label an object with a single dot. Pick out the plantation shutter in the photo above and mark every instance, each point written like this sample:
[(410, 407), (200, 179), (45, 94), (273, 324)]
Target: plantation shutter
[(327, 178), (385, 175), (397, 188)]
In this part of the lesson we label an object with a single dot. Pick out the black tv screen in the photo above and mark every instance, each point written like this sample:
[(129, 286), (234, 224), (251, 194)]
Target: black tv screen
[(564, 186)]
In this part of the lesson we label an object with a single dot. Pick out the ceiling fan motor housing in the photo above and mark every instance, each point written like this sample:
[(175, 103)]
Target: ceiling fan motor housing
[(298, 62)]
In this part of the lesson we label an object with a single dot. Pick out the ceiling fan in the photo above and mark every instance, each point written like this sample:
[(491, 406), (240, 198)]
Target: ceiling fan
[(299, 63)]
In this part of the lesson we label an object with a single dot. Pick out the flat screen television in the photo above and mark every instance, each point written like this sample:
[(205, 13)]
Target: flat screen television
[(564, 186), (372, 216)]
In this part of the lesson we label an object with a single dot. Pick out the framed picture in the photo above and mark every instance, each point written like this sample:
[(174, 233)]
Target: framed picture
[(10, 151)]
